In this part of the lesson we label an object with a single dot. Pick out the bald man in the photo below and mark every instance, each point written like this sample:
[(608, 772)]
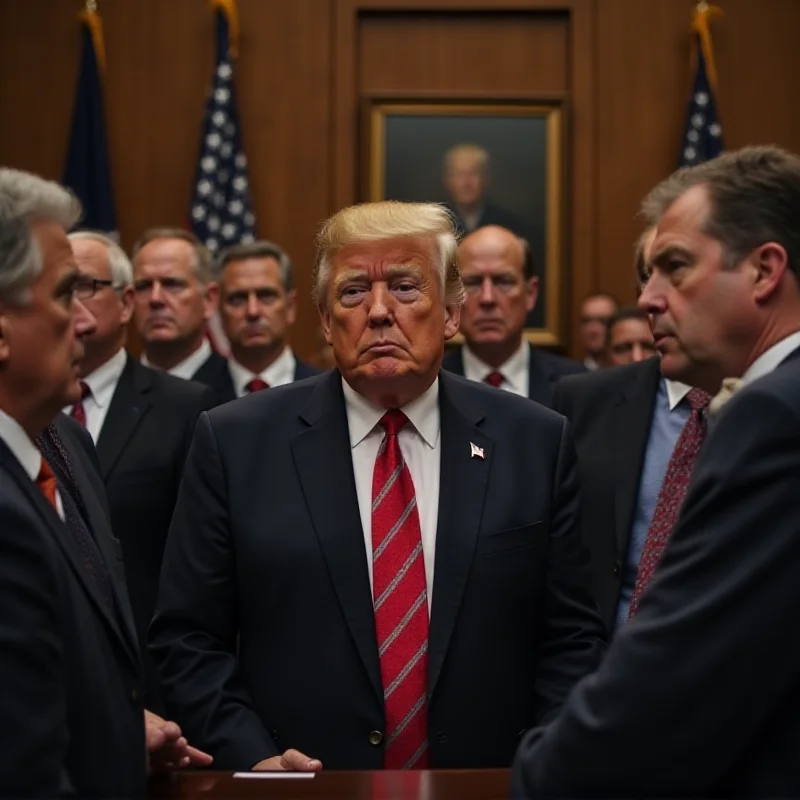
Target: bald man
[(502, 288)]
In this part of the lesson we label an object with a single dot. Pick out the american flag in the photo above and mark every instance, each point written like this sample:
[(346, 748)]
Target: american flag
[(222, 211), (702, 139)]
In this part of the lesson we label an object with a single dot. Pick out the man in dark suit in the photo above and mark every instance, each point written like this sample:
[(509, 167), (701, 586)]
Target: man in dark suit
[(257, 307), (69, 661), (175, 297), (352, 555), (714, 632), (466, 179), (141, 421), (499, 277)]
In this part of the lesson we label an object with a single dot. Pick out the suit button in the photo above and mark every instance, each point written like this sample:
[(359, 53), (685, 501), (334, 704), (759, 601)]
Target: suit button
[(375, 738), (617, 567)]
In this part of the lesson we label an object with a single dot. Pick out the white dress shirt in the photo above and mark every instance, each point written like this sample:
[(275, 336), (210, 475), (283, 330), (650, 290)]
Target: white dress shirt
[(771, 358), (514, 371), (102, 384), (189, 365), (420, 444), (24, 450), (676, 391), (278, 373)]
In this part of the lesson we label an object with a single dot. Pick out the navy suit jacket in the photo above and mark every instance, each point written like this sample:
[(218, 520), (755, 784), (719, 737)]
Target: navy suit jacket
[(265, 631), (699, 695), (610, 411), (545, 370), (215, 373), (70, 671)]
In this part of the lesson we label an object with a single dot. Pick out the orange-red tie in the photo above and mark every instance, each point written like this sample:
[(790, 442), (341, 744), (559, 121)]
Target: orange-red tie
[(46, 481)]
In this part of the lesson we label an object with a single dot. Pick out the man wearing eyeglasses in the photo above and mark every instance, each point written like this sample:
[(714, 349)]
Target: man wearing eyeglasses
[(175, 295), (498, 272), (141, 421), (257, 309)]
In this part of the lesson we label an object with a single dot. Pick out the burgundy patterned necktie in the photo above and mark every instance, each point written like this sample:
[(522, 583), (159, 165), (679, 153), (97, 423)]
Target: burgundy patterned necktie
[(673, 490), (494, 379), (400, 601), (256, 385), (78, 410)]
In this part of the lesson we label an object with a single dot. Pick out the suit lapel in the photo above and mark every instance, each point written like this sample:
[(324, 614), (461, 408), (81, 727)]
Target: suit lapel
[(539, 383), (462, 486), (67, 544), (320, 451), (91, 490), (630, 424), (129, 404)]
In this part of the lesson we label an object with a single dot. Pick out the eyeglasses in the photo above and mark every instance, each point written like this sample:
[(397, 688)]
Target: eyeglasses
[(86, 287)]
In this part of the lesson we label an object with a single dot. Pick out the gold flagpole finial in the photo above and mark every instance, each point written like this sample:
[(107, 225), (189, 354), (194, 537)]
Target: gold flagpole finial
[(91, 6)]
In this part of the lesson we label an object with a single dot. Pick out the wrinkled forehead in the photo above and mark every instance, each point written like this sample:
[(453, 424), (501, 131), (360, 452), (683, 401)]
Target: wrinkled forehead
[(374, 259), (163, 253)]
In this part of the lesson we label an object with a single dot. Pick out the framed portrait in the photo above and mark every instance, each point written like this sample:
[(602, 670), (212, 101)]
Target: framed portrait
[(492, 162)]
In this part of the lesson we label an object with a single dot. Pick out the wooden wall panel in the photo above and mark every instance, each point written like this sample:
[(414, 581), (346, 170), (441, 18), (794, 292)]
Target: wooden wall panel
[(644, 80), (160, 56), (305, 64)]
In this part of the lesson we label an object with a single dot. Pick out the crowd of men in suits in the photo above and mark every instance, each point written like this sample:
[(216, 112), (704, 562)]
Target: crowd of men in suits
[(404, 562)]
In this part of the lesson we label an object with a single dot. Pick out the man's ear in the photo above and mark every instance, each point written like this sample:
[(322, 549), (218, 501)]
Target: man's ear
[(325, 319), (769, 263)]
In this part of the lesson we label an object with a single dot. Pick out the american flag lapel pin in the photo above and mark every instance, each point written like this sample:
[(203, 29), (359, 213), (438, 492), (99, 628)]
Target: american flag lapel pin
[(475, 451)]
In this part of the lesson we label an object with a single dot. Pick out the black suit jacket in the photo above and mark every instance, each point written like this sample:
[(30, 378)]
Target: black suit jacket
[(544, 371), (218, 377), (610, 411), (265, 632), (491, 214), (69, 666), (699, 695), (142, 448)]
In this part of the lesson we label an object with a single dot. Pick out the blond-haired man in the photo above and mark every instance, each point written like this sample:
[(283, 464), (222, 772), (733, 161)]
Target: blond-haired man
[(354, 556)]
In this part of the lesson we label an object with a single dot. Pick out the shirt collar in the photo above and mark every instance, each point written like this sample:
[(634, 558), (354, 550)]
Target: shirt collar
[(676, 391), (771, 358), (363, 415), (103, 380), (20, 444), (278, 373), (187, 368), (513, 370)]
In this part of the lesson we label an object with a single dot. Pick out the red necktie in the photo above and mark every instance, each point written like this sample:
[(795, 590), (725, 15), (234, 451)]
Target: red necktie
[(46, 481), (401, 602), (256, 385), (494, 379), (673, 490), (78, 411)]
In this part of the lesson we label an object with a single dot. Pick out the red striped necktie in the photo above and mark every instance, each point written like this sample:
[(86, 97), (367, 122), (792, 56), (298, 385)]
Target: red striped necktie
[(400, 601)]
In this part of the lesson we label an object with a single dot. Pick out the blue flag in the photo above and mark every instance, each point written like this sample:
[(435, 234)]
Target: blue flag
[(702, 138), (222, 211), (87, 172)]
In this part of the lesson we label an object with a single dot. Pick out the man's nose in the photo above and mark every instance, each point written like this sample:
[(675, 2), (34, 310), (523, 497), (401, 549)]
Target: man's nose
[(487, 295)]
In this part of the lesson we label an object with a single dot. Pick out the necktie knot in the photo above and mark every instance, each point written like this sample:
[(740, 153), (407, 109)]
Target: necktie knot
[(393, 421), (698, 399), (256, 385), (494, 379), (46, 481)]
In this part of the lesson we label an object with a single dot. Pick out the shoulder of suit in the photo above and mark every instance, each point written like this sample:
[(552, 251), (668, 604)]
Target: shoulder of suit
[(453, 360), (604, 380), (560, 364), (171, 386)]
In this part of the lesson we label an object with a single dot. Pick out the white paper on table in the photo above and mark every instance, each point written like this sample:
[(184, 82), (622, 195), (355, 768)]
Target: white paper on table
[(274, 774)]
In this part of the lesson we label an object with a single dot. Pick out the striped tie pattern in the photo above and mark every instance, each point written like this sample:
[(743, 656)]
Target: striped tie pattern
[(400, 601)]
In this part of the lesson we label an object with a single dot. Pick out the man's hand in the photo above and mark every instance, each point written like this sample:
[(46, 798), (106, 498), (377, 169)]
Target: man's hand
[(290, 761), (167, 749)]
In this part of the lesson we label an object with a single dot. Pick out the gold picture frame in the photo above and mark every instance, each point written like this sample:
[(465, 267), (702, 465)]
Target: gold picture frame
[(403, 136)]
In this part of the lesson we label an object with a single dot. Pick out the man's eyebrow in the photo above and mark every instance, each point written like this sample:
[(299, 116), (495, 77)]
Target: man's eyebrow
[(666, 253), (393, 271)]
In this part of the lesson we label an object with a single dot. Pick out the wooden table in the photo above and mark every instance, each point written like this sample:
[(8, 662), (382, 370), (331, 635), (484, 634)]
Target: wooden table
[(490, 784)]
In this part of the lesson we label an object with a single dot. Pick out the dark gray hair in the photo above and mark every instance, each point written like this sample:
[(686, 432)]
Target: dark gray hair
[(202, 265), (24, 200), (259, 249), (119, 265), (754, 199)]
